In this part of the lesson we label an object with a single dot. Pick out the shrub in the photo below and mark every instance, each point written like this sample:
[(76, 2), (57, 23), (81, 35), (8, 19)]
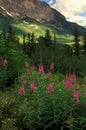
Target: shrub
[(15, 59)]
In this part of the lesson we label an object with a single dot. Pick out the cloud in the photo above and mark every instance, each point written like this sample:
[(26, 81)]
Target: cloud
[(51, 2), (72, 10)]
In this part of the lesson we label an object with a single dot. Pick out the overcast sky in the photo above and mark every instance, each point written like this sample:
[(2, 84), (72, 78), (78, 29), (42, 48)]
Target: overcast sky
[(73, 10)]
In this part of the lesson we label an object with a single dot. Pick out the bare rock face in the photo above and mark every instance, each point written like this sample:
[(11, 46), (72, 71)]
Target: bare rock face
[(38, 10), (30, 8)]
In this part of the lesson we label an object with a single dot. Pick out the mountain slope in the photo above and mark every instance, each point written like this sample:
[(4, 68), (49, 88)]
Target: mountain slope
[(39, 11)]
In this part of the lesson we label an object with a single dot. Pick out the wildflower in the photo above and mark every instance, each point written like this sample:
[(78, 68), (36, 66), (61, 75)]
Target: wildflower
[(49, 75), (52, 66), (76, 97), (22, 91), (41, 69), (72, 77), (50, 89), (33, 87), (68, 84), (4, 62), (26, 64)]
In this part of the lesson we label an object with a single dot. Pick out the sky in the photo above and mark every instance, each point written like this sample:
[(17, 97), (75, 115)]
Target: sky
[(73, 10)]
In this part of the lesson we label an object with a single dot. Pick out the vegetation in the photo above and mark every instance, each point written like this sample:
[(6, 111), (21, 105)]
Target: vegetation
[(42, 82)]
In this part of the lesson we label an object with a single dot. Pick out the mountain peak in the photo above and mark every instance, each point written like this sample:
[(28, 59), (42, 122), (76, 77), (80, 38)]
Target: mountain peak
[(31, 8), (38, 10)]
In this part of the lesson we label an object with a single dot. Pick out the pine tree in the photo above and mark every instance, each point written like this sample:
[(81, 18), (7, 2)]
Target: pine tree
[(4, 34), (76, 40), (47, 38), (29, 36), (11, 35), (84, 41), (24, 44), (54, 42), (31, 44)]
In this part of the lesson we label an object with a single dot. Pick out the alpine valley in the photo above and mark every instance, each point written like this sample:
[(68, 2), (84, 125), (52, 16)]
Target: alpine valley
[(34, 16)]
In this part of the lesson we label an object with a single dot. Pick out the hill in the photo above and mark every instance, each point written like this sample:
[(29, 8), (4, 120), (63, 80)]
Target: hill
[(35, 11)]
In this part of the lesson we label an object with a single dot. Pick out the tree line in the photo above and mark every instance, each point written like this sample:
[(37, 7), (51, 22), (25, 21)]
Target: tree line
[(30, 42)]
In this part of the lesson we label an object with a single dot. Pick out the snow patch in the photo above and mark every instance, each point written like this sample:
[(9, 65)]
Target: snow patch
[(2, 7), (9, 14)]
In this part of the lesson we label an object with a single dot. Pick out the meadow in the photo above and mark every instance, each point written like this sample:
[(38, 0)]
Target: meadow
[(39, 30), (43, 90)]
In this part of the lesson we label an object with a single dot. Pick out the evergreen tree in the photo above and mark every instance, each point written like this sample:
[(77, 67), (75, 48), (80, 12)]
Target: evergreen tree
[(68, 50), (11, 35), (76, 40), (24, 45), (48, 41), (4, 34), (31, 44), (84, 41), (54, 42)]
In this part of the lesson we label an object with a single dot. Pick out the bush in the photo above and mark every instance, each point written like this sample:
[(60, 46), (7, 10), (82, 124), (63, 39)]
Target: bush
[(13, 55)]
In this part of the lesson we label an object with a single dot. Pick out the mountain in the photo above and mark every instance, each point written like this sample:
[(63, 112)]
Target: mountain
[(41, 12)]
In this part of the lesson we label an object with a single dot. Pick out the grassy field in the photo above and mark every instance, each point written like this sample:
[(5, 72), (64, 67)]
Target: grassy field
[(39, 30)]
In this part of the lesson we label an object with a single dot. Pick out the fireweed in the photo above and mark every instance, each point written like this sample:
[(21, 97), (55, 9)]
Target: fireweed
[(22, 90), (69, 81), (3, 62), (76, 97), (41, 68), (52, 66), (33, 87), (50, 99), (51, 89)]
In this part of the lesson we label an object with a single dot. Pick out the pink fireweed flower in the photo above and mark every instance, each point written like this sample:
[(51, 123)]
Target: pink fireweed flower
[(4, 62), (33, 87), (22, 91), (68, 84), (50, 89), (49, 75), (72, 77), (26, 64), (69, 80), (52, 66), (41, 69), (76, 97)]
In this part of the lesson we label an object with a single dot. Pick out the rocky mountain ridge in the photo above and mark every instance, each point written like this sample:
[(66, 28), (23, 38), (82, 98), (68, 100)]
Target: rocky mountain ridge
[(38, 10)]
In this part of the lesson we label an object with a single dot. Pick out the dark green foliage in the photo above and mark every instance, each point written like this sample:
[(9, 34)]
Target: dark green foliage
[(4, 34), (84, 41), (76, 40), (68, 50), (24, 44), (15, 58), (31, 45), (4, 76), (38, 110), (47, 37), (11, 35)]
